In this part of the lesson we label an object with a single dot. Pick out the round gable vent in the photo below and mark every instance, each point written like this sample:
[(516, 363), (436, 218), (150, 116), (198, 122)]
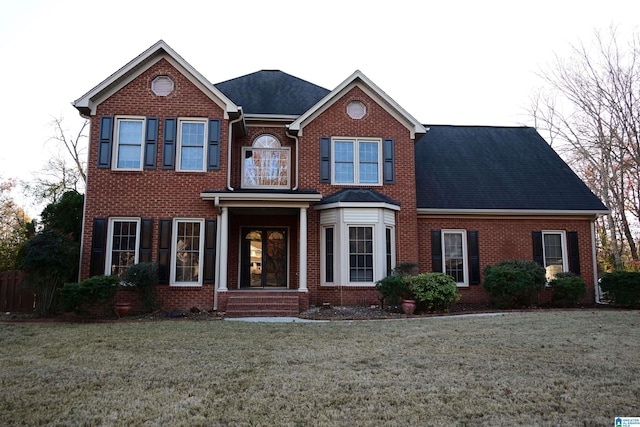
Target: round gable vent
[(356, 110), (162, 85)]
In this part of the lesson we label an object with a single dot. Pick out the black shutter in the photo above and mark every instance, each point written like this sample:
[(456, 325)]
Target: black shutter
[(104, 142), (325, 159), (474, 257), (388, 168), (574, 252), (146, 239), (164, 251), (536, 236), (169, 144), (213, 153), (151, 143), (209, 250), (436, 251), (98, 247)]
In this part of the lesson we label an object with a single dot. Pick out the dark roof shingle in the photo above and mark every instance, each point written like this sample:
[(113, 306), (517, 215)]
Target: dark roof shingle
[(502, 168), (272, 92)]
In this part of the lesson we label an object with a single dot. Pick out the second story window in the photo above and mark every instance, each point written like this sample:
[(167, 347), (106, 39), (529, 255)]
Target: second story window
[(191, 153), (266, 164), (357, 161), (129, 143)]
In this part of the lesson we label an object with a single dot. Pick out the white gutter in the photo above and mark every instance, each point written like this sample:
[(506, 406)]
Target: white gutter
[(596, 283), (297, 159), (502, 212), (231, 123)]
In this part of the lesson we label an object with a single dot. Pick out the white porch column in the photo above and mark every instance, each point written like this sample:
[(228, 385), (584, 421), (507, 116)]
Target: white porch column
[(224, 248), (302, 276)]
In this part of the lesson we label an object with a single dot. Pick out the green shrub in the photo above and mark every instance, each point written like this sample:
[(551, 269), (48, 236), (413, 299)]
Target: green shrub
[(514, 283), (568, 290), (393, 287), (96, 289), (436, 290), (622, 288), (144, 276)]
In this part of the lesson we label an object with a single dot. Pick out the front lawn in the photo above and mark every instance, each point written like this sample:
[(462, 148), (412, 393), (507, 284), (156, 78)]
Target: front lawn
[(539, 368)]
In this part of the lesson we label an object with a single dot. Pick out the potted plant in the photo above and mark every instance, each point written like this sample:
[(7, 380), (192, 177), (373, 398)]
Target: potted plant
[(395, 290)]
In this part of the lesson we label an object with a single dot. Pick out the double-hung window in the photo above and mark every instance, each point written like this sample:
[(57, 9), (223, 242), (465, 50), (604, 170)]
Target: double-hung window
[(357, 161), (554, 254), (454, 259), (188, 249), (129, 143), (122, 245), (360, 254), (192, 144)]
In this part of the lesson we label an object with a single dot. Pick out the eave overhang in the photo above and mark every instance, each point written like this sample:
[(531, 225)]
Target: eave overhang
[(360, 205), (592, 214), (88, 102), (247, 198), (358, 79)]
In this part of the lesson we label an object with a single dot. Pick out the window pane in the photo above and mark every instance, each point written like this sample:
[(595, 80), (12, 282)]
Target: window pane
[(266, 167), (553, 259), (360, 254), (328, 256), (128, 156), (130, 132), (192, 146), (344, 167), (123, 246), (187, 252), (453, 256)]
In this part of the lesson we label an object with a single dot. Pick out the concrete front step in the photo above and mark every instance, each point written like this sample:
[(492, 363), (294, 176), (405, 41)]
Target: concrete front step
[(262, 305)]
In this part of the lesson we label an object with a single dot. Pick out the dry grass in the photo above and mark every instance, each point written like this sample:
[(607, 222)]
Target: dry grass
[(541, 368)]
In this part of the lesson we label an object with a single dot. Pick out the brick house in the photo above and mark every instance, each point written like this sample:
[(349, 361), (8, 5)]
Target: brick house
[(266, 194)]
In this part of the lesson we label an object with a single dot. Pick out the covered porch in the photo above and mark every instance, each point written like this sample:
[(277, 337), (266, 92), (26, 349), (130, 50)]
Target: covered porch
[(261, 251)]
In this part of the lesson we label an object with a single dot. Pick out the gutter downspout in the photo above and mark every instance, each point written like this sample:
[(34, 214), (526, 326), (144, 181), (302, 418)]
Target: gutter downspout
[(297, 159), (596, 283), (231, 123)]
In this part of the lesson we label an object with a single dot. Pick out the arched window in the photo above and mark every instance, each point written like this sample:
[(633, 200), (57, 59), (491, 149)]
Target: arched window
[(266, 164)]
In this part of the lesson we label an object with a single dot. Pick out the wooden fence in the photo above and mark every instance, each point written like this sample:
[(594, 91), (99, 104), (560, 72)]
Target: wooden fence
[(13, 296)]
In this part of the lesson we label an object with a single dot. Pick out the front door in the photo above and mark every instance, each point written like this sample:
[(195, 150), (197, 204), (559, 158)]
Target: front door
[(263, 261)]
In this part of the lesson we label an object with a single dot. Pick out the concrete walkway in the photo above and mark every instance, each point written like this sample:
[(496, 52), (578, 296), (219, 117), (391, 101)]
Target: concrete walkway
[(299, 320)]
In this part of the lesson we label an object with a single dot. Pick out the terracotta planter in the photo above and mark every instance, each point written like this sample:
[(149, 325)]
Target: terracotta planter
[(123, 309), (408, 306)]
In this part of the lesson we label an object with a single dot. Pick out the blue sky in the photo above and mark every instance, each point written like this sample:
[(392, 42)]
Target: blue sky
[(458, 62)]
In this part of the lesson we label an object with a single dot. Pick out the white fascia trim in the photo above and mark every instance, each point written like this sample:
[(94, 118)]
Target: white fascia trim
[(270, 117), (142, 63), (363, 82), (379, 205), (265, 198), (503, 212)]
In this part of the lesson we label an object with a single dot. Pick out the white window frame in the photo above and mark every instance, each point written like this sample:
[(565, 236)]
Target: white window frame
[(356, 160), (109, 248), (341, 220), (174, 252), (465, 255), (116, 141), (563, 245), (199, 120)]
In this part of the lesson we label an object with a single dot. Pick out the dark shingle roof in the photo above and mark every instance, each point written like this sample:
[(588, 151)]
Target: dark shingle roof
[(358, 195), (272, 92), (503, 168)]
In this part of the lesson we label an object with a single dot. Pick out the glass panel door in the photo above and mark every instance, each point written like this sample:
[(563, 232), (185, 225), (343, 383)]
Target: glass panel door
[(263, 258)]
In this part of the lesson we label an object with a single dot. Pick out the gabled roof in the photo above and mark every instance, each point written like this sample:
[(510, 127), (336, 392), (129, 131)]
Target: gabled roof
[(88, 102), (360, 80), (357, 196), (487, 169), (272, 92)]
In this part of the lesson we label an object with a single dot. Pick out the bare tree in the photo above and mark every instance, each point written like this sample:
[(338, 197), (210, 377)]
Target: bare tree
[(591, 113), (72, 144)]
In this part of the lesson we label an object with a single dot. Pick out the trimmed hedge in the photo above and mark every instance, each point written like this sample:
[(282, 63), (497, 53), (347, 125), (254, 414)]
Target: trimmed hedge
[(436, 290), (514, 283), (622, 288), (568, 290), (96, 289)]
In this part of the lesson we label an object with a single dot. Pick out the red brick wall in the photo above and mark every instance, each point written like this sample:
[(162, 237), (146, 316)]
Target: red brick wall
[(378, 123), (507, 238), (154, 193)]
